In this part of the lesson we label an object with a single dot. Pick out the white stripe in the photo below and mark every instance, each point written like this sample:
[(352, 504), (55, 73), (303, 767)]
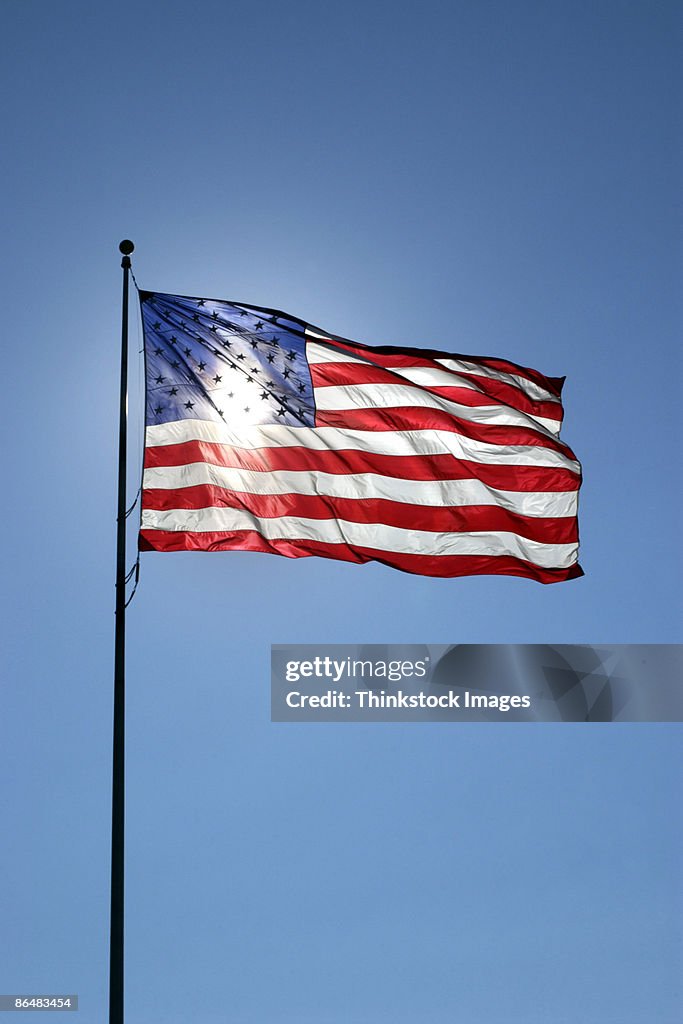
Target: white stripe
[(529, 388), (360, 486), (363, 535), (392, 396), (325, 354), (430, 376), (378, 442)]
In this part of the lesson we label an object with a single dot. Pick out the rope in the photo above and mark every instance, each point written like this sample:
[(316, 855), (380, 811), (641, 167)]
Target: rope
[(136, 570)]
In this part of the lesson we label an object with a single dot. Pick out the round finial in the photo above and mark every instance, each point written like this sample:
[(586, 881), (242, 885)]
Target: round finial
[(126, 247)]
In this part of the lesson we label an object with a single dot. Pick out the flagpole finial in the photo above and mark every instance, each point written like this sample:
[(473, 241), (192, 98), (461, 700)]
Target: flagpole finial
[(126, 247)]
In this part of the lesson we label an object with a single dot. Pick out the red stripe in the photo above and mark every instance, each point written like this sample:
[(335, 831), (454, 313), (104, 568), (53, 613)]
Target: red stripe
[(390, 356), (413, 418), (552, 384), (423, 565), (489, 392), (406, 467), (430, 518)]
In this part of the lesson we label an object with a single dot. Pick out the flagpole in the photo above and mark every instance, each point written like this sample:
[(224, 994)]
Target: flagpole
[(118, 761)]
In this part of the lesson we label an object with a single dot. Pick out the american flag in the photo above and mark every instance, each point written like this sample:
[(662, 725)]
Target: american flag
[(264, 433)]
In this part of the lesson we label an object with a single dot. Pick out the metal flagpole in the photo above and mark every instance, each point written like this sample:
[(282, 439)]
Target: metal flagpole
[(118, 766)]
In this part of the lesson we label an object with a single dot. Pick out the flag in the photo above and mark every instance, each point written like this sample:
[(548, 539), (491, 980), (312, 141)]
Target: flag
[(264, 433)]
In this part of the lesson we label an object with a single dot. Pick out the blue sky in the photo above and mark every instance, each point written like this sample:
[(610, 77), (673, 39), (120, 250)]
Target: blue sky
[(492, 178)]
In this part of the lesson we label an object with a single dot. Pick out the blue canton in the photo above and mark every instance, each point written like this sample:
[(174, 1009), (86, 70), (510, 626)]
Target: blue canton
[(224, 362)]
